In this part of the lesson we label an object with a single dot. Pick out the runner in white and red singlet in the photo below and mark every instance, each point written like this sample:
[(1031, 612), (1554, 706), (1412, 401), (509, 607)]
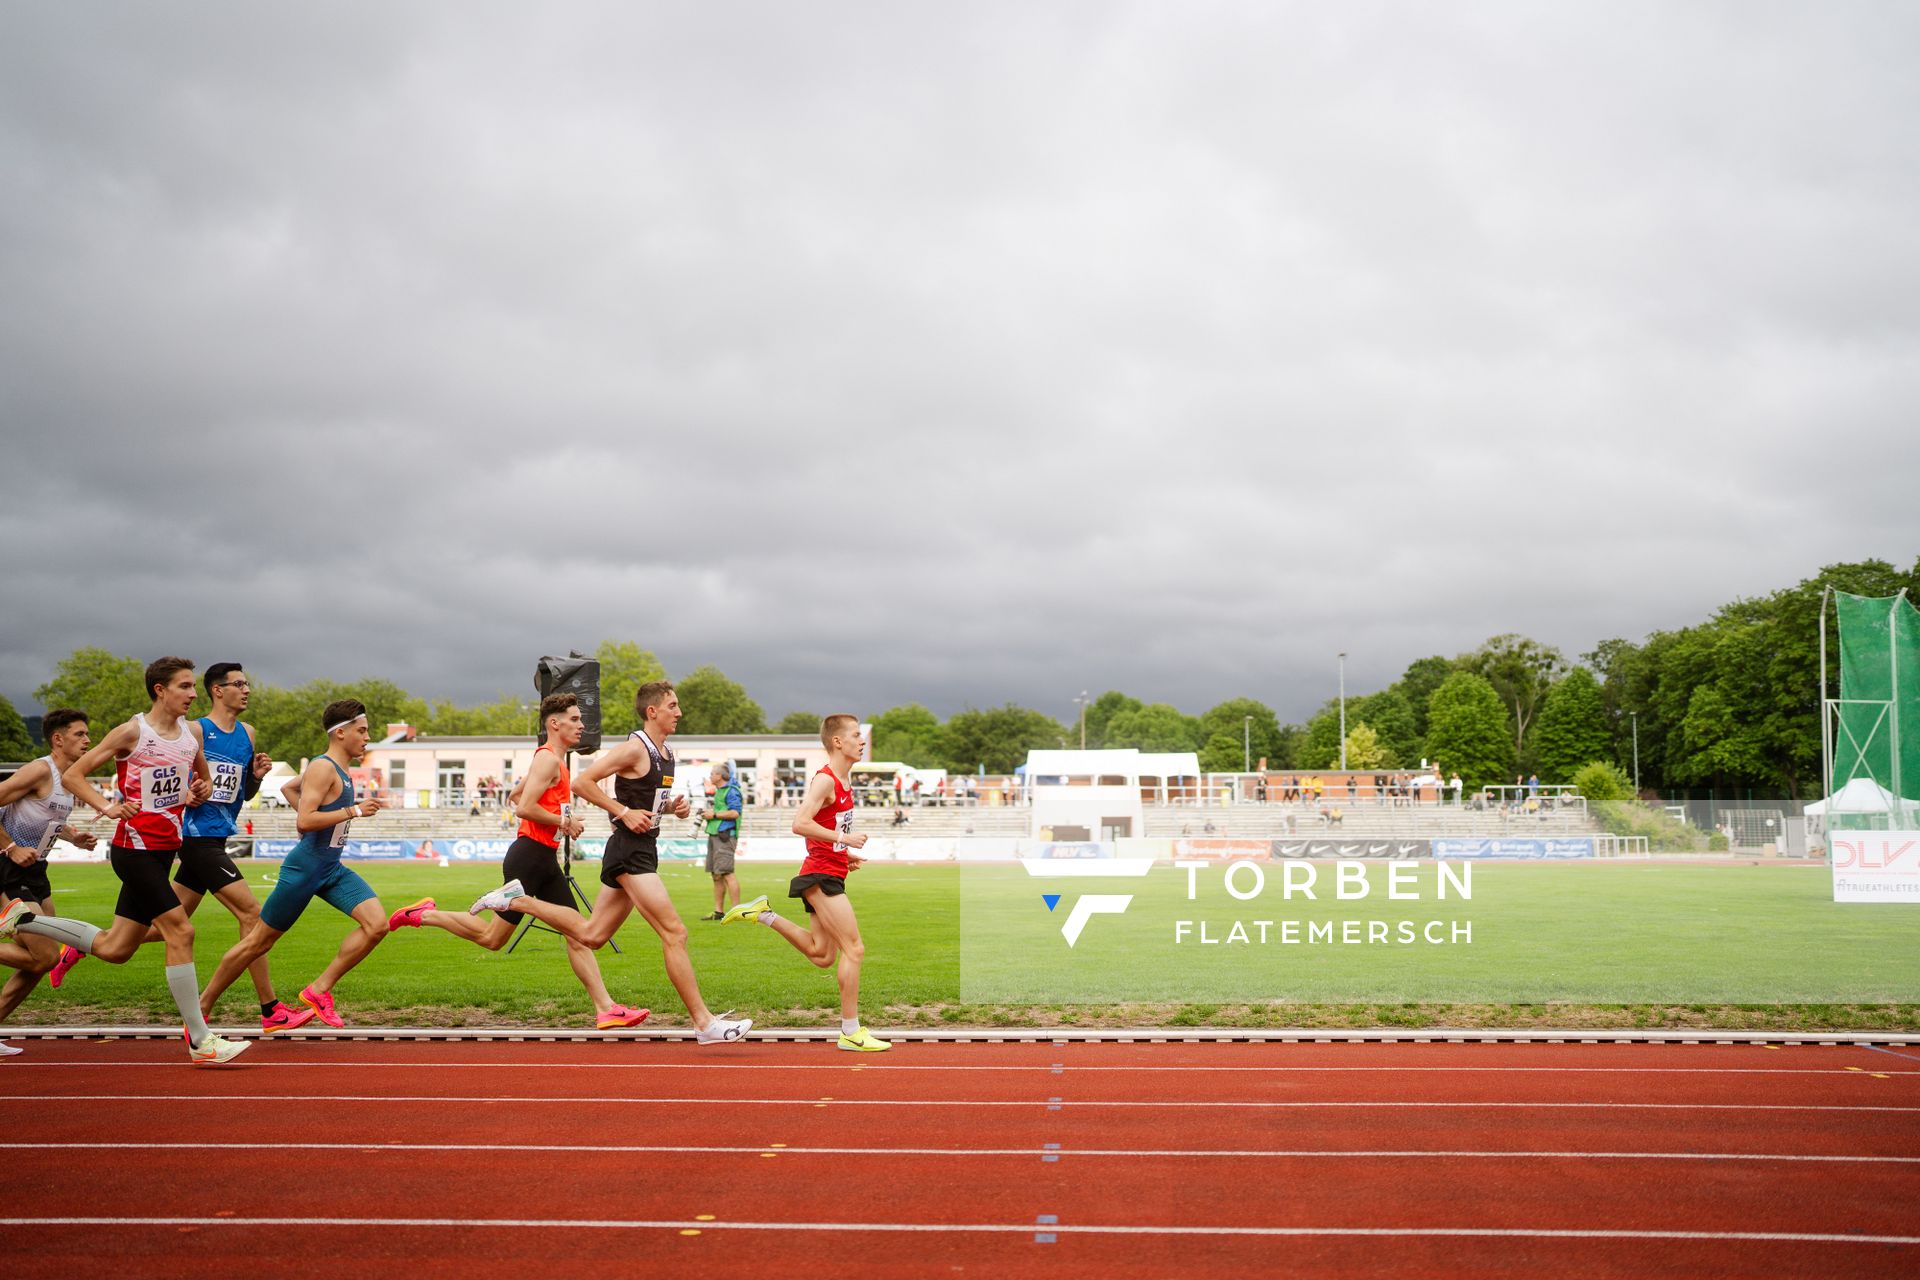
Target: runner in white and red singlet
[(826, 820), (160, 766)]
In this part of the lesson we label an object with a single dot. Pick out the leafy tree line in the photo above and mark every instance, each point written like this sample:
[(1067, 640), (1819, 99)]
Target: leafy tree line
[(1731, 701)]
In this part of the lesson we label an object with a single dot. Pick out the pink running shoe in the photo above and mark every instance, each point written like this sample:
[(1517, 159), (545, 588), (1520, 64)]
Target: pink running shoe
[(409, 917), (69, 957), (321, 1002), (621, 1016), (284, 1018)]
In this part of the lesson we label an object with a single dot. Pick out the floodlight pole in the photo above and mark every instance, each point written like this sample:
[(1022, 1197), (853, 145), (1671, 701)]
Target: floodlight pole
[(1082, 700), (1343, 713), (1893, 705), (1246, 745)]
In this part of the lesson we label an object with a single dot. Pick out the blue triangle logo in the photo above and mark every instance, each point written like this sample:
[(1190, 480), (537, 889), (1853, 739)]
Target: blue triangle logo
[(1051, 899)]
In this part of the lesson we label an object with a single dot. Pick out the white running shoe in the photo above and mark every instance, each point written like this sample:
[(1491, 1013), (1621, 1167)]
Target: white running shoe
[(725, 1030), (498, 900), (8, 1050), (215, 1050)]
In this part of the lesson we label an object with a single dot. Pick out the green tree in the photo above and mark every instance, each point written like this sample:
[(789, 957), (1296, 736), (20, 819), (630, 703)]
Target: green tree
[(909, 734), (1391, 719), (1572, 730), (16, 744), (287, 722), (798, 722), (1099, 713), (999, 738), (1422, 677), (1602, 781), (1155, 727), (712, 703), (104, 685), (1320, 745), (624, 667), (507, 716), (1264, 735), (1366, 751), (1221, 753), (1467, 730), (1520, 671)]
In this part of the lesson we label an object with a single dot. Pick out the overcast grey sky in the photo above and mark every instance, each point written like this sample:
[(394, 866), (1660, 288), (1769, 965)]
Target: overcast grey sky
[(956, 353)]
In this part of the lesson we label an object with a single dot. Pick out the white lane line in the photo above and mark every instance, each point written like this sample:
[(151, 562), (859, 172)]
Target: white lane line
[(843, 1065), (401, 1147), (574, 1100), (978, 1228)]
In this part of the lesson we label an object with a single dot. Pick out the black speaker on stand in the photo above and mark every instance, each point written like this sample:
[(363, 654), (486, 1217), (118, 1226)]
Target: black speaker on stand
[(578, 675)]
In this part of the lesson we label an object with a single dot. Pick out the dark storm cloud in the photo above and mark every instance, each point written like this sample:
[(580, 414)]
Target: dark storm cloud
[(880, 353)]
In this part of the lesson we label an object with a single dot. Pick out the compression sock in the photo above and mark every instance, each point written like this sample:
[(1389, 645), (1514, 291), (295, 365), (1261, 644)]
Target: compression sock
[(77, 934), (767, 917), (184, 983), (849, 1026)]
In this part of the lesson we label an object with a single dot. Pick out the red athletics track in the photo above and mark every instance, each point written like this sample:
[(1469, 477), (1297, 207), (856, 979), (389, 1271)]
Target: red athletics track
[(618, 1158)]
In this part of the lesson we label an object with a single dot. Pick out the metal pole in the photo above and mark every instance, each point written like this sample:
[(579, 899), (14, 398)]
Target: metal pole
[(1246, 745), (1343, 713), (1634, 716), (1893, 706), (1082, 700), (1826, 735)]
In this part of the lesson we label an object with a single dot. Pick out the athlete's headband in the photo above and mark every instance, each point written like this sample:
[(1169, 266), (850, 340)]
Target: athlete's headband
[(335, 728)]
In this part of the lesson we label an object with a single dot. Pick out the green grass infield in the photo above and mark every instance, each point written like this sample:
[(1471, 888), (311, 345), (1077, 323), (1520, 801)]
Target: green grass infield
[(1595, 945)]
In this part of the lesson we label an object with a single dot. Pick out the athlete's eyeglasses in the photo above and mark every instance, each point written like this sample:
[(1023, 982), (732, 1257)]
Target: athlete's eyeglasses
[(233, 684)]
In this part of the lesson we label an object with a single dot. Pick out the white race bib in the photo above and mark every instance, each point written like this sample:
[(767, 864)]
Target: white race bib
[(163, 786), (664, 796), (47, 838), (337, 838), (844, 825), (227, 783)]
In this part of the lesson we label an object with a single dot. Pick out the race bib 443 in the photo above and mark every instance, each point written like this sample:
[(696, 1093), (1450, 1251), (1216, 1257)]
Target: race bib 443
[(226, 781)]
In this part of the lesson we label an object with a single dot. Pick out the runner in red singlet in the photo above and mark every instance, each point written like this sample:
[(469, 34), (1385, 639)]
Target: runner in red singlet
[(826, 820)]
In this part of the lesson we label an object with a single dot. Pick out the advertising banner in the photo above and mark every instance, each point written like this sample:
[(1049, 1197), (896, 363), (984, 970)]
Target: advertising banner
[(1516, 847), (1352, 848), (1875, 866)]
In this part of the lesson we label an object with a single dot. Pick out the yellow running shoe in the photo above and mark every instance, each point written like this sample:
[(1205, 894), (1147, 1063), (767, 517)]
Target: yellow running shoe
[(746, 912), (863, 1041)]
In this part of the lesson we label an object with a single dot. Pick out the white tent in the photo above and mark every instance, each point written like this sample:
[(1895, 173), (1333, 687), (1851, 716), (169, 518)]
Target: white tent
[(1862, 797)]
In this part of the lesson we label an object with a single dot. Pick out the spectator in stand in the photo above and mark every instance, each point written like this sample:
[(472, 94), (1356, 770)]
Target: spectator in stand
[(1533, 785), (1457, 785)]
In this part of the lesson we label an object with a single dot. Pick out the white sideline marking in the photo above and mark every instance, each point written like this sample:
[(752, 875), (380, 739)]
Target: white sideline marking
[(843, 1065), (911, 1102), (401, 1147), (974, 1228)]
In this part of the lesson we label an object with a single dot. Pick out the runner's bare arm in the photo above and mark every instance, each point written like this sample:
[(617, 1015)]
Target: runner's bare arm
[(320, 785), (527, 802), (817, 796), (586, 785), (24, 782), (121, 740)]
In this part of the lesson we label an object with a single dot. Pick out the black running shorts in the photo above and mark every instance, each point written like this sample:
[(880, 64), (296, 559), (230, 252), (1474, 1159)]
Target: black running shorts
[(832, 886), (145, 892), (537, 868), (628, 855), (204, 865)]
